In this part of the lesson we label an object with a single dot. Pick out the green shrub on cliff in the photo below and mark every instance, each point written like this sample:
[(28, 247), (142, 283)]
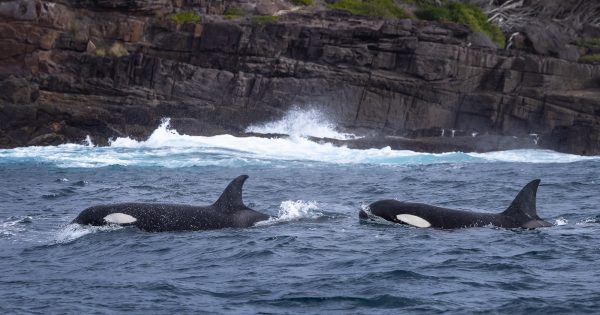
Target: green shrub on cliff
[(265, 19), (469, 15), (433, 13), (100, 52), (115, 50), (589, 43), (233, 12), (184, 17), (594, 58), (118, 50), (381, 8), (425, 3), (73, 29), (303, 2)]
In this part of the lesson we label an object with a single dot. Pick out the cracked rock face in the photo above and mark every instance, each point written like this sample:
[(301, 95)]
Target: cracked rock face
[(116, 68)]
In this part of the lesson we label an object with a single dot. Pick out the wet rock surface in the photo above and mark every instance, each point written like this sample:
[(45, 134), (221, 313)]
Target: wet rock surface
[(115, 68)]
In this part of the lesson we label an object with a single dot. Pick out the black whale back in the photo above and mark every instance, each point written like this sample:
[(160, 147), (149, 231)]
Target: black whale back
[(228, 211), (521, 213)]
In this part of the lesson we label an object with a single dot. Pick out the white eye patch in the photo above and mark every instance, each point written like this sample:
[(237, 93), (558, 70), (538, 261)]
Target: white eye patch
[(119, 218), (413, 220)]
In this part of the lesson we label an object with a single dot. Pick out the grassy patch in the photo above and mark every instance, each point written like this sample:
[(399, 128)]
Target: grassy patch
[(432, 13), (424, 3), (589, 43), (184, 17), (118, 50), (265, 19), (115, 50), (100, 52), (303, 2), (469, 15), (595, 58), (381, 8), (233, 12), (73, 29)]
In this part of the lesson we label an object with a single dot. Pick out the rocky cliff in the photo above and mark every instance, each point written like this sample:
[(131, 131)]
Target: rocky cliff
[(110, 68)]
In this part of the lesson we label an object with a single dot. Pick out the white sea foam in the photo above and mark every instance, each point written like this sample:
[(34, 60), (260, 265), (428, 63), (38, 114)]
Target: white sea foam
[(299, 209), (167, 148), (14, 225), (561, 221), (72, 232), (88, 141), (587, 221), (291, 210), (301, 123), (532, 156)]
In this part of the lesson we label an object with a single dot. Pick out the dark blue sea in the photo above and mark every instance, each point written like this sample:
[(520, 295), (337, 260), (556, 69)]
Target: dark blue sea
[(314, 255)]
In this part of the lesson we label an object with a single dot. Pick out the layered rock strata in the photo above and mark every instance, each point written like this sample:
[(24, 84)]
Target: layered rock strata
[(383, 78)]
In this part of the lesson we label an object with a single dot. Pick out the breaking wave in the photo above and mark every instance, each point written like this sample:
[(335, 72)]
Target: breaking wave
[(302, 123), (167, 148)]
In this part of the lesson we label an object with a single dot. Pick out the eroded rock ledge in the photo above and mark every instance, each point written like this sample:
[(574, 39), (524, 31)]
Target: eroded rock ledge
[(381, 78)]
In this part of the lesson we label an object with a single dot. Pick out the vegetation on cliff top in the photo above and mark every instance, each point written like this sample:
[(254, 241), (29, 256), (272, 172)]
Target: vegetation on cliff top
[(589, 43), (431, 10), (594, 58), (381, 8), (233, 12), (265, 19), (303, 2), (462, 13), (116, 50), (184, 17)]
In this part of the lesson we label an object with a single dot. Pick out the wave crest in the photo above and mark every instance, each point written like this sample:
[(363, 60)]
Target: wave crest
[(167, 148), (302, 123)]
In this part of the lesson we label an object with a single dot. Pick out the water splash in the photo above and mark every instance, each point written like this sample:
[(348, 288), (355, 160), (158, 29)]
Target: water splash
[(167, 148), (561, 221), (71, 232), (291, 210), (589, 220), (301, 123), (88, 142), (374, 219), (14, 225)]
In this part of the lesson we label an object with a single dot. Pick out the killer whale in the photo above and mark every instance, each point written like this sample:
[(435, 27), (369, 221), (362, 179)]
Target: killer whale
[(229, 211), (521, 213)]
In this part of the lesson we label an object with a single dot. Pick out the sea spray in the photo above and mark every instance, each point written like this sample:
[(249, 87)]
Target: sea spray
[(302, 123), (561, 221), (291, 210), (167, 148), (71, 232)]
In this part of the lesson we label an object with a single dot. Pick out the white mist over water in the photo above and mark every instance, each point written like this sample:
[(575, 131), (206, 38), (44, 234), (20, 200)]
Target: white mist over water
[(167, 148)]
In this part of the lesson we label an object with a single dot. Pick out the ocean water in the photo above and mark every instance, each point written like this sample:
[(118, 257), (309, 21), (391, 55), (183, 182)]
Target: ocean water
[(314, 255)]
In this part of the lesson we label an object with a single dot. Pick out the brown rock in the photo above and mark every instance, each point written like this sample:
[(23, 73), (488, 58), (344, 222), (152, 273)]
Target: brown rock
[(18, 90), (412, 78)]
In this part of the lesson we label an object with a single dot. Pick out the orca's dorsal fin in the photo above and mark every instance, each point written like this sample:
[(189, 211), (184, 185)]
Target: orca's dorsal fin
[(231, 198), (524, 204)]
